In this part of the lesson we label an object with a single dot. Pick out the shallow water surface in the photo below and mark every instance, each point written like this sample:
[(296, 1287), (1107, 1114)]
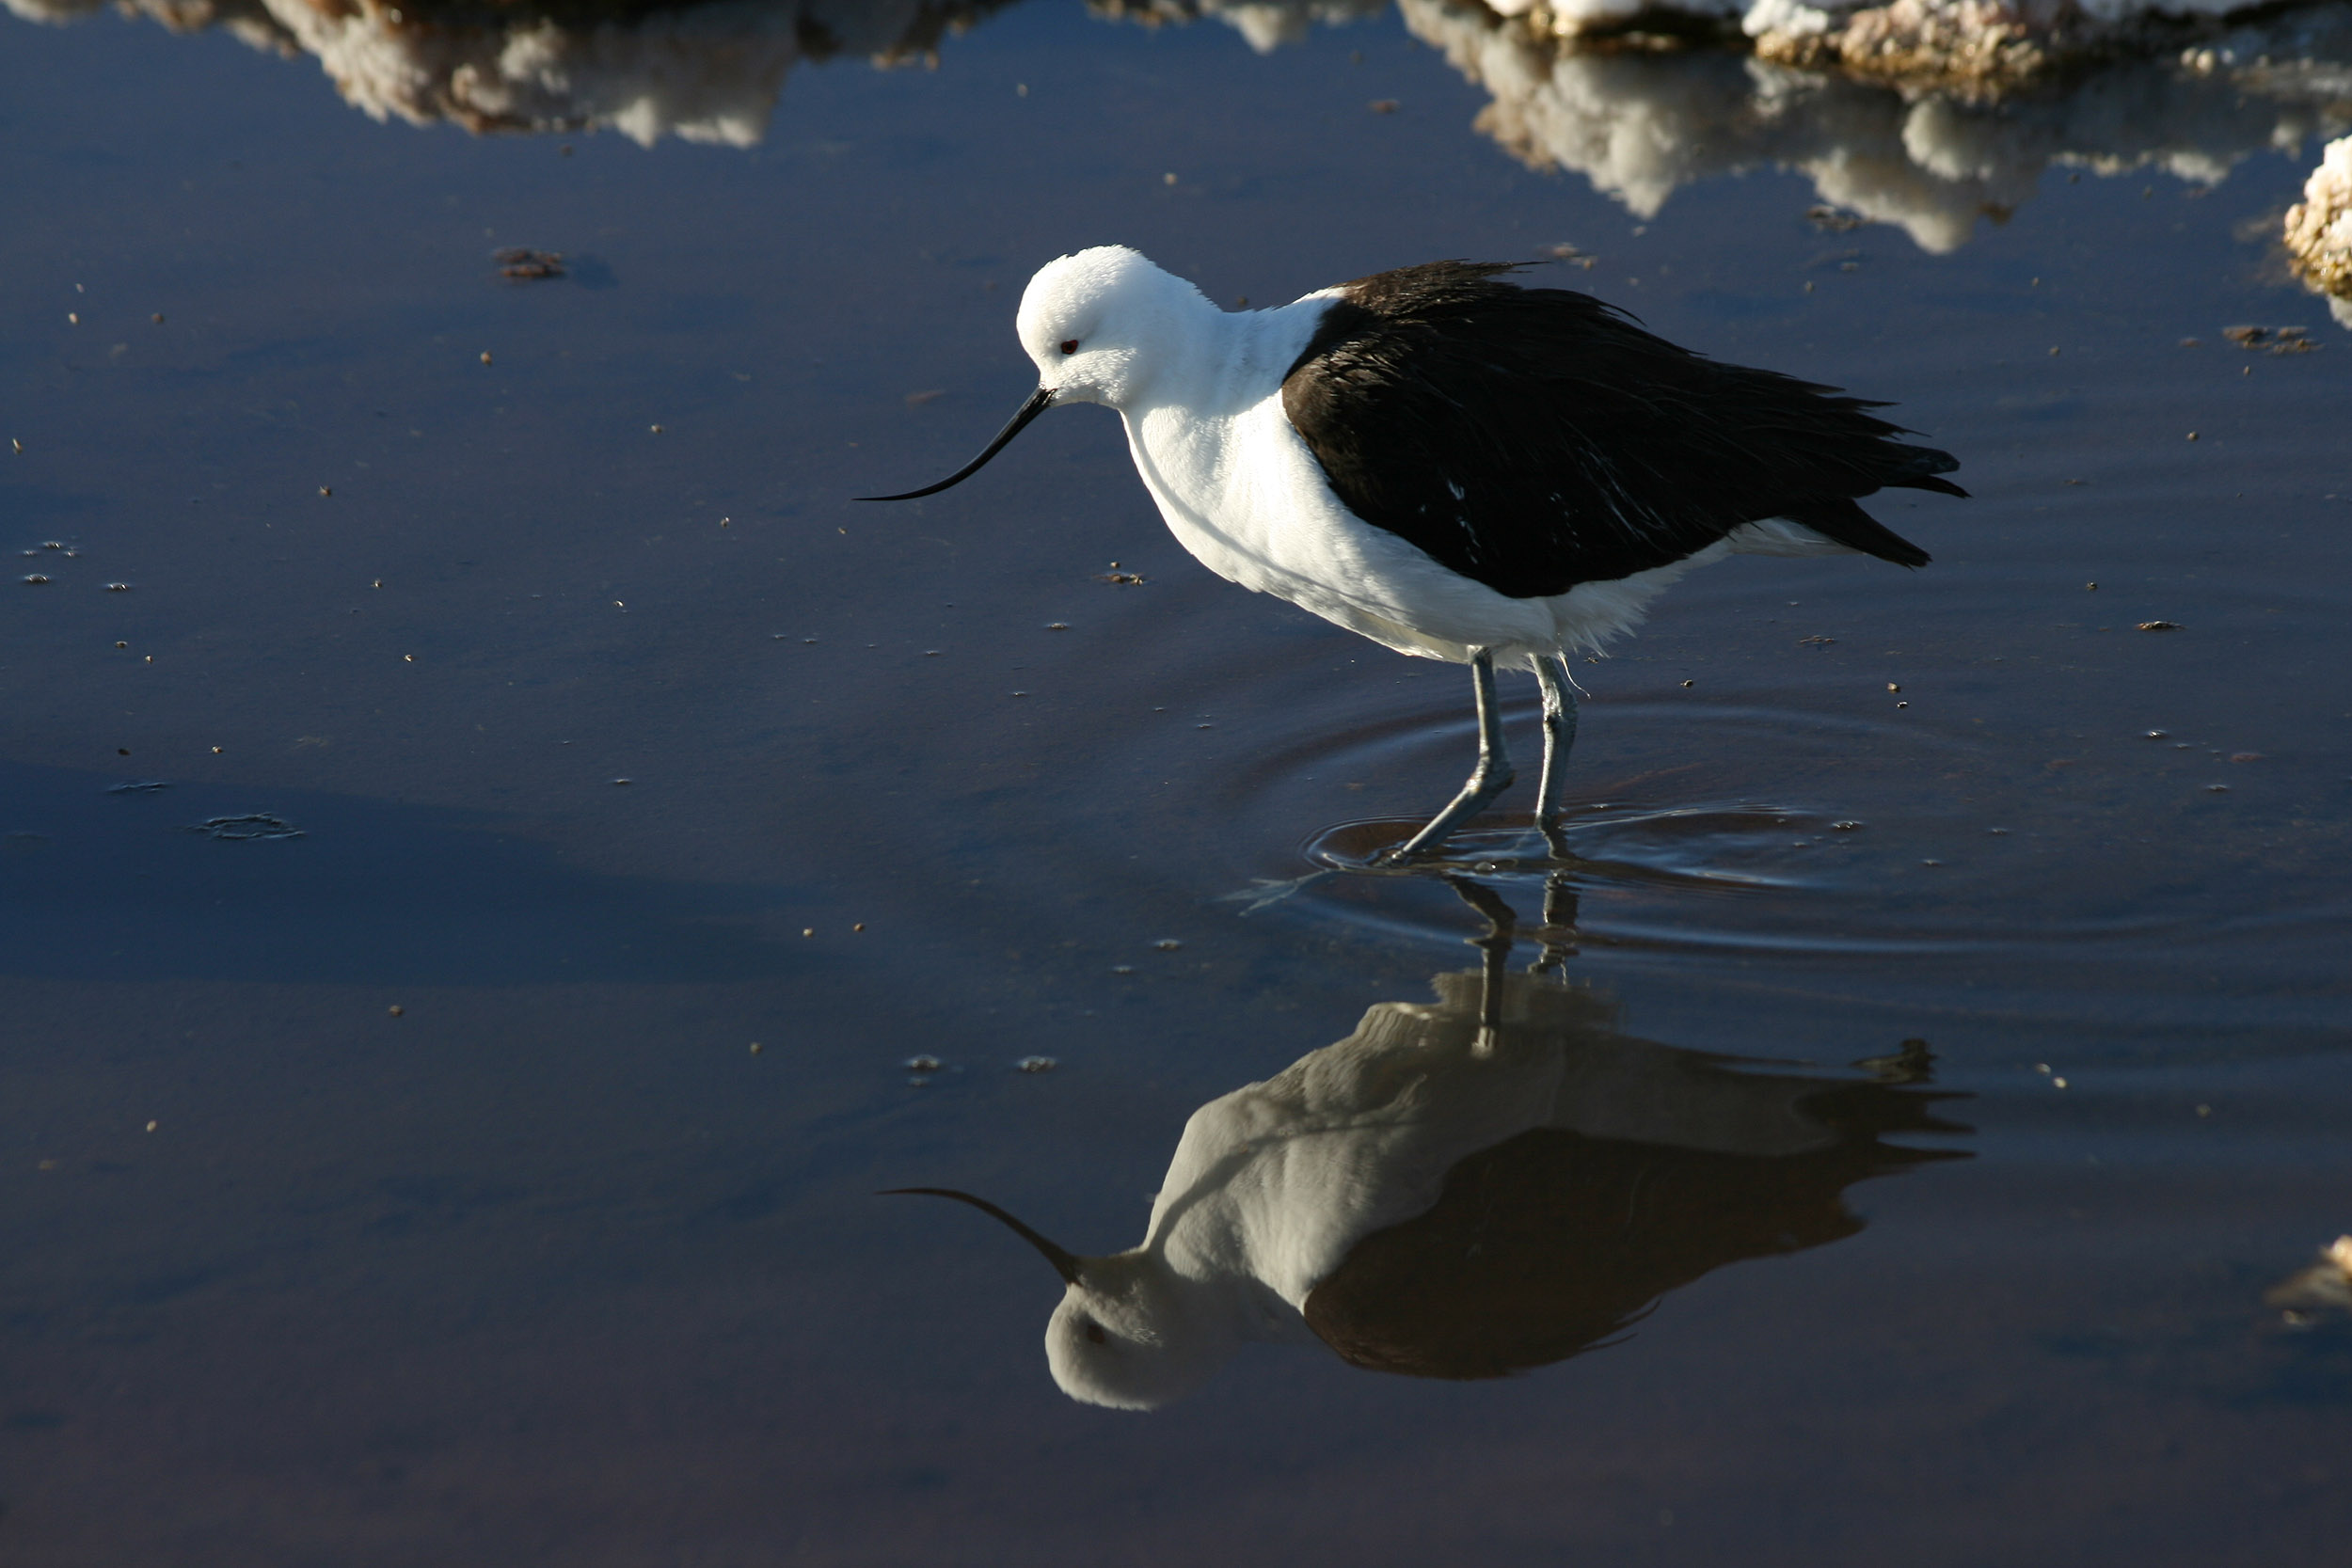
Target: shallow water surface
[(473, 893)]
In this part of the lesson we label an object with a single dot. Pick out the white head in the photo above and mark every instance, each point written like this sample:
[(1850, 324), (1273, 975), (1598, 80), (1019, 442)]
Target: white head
[(1103, 326), (1130, 1332), (1102, 322)]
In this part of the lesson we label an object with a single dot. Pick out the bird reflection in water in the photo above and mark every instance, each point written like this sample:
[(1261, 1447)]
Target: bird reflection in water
[(1472, 1187)]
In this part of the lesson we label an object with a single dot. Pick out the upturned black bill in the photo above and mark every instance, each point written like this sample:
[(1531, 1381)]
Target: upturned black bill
[(1039, 401), (1065, 1264)]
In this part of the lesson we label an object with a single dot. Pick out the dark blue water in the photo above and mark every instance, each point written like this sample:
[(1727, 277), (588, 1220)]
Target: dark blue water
[(470, 1226)]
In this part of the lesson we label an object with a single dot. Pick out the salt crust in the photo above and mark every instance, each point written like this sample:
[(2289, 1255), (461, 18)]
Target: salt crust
[(2319, 242)]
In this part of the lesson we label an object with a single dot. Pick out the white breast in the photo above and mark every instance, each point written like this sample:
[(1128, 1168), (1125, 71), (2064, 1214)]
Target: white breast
[(1243, 492)]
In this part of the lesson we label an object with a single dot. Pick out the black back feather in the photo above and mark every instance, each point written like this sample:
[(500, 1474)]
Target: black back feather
[(1537, 438)]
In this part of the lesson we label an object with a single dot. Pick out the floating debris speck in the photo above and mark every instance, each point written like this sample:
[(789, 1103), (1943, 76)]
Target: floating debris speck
[(1037, 1064), (525, 266), (253, 825)]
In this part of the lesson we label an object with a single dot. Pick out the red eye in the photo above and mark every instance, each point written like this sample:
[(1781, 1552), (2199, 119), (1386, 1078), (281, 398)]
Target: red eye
[(1070, 345)]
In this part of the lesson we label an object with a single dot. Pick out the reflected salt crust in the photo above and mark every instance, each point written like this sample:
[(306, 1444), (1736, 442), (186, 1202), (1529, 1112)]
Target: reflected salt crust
[(2323, 1288), (1639, 125), (700, 73), (1933, 159)]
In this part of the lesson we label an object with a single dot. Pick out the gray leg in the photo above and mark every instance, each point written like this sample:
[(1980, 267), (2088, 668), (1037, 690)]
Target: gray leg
[(1559, 943), (1551, 673), (1491, 777), (1502, 924)]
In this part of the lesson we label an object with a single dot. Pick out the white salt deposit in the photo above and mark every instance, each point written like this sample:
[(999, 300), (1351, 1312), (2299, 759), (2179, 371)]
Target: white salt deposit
[(2319, 238)]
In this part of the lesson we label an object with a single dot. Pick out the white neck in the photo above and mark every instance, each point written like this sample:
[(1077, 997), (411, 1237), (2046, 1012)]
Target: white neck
[(1223, 362)]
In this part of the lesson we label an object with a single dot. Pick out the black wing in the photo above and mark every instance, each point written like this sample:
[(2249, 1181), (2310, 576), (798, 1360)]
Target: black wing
[(1537, 438)]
